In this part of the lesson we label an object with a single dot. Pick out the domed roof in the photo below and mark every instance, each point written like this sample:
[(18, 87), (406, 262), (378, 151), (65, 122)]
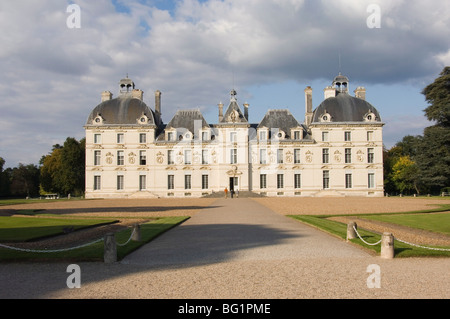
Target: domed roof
[(123, 110), (345, 108)]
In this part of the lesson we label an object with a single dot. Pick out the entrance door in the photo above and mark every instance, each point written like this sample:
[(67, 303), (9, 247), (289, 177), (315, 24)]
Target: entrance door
[(233, 183)]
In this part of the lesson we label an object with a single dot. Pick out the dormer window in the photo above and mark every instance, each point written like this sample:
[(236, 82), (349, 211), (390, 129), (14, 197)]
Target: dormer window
[(279, 135), (370, 117), (98, 120), (262, 135), (326, 117), (143, 119)]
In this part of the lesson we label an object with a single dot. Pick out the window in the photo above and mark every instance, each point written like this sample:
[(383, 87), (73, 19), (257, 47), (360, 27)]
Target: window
[(233, 137), (187, 181), (170, 160), (347, 136), (370, 155), (142, 182), (262, 135), (326, 179), (205, 181), (280, 156), (371, 180), (325, 156), (170, 182), (233, 156), (187, 157), (142, 138), (296, 135), (205, 155), (170, 136), (97, 138), (97, 157), (262, 156), (280, 180), (262, 181), (97, 182), (120, 158), (120, 138), (119, 182), (142, 158), (297, 180), (348, 155), (348, 180), (370, 136), (324, 136), (204, 136), (296, 156)]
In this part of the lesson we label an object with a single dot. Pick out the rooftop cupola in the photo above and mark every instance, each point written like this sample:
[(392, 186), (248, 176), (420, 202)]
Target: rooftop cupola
[(126, 85), (340, 83)]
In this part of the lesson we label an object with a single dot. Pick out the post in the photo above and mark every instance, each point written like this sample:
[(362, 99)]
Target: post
[(387, 246), (351, 233), (110, 249), (136, 233)]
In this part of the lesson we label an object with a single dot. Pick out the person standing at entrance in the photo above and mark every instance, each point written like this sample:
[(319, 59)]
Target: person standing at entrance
[(226, 192)]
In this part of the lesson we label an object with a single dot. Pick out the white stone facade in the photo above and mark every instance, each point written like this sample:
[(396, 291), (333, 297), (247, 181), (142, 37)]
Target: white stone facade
[(131, 153)]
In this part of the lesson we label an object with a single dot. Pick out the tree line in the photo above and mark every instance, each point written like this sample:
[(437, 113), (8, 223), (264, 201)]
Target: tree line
[(415, 165), (421, 164), (60, 172)]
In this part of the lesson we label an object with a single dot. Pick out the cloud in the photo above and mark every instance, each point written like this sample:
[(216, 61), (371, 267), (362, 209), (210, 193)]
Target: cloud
[(195, 51)]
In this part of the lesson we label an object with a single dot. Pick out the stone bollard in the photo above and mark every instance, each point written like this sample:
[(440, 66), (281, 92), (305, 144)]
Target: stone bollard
[(387, 246), (136, 233), (351, 234), (110, 248)]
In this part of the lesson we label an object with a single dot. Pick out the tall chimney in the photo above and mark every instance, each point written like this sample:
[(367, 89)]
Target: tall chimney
[(329, 91), (138, 94), (308, 106), (246, 105), (220, 112), (360, 92), (106, 96), (158, 102)]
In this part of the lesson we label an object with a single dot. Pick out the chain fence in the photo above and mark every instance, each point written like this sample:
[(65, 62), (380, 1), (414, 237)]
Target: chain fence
[(65, 249), (405, 242)]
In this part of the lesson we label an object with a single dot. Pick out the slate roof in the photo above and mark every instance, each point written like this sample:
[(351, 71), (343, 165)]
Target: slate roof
[(186, 120), (280, 119), (233, 106), (123, 110), (345, 108)]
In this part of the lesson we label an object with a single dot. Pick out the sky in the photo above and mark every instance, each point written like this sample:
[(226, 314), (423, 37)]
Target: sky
[(57, 58)]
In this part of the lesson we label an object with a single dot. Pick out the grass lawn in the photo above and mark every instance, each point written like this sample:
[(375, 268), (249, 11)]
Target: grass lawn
[(400, 249), (94, 252), (439, 223), (20, 229)]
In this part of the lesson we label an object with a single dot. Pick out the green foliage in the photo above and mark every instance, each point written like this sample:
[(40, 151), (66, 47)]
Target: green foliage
[(437, 94), (404, 174), (63, 170), (429, 155)]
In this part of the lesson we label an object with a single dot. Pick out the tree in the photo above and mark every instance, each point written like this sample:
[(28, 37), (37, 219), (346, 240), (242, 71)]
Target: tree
[(25, 180), (62, 170), (437, 94), (4, 179), (73, 166), (433, 150), (405, 174)]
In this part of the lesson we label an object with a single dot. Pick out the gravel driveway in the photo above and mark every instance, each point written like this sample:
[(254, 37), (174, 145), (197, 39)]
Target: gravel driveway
[(236, 249)]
